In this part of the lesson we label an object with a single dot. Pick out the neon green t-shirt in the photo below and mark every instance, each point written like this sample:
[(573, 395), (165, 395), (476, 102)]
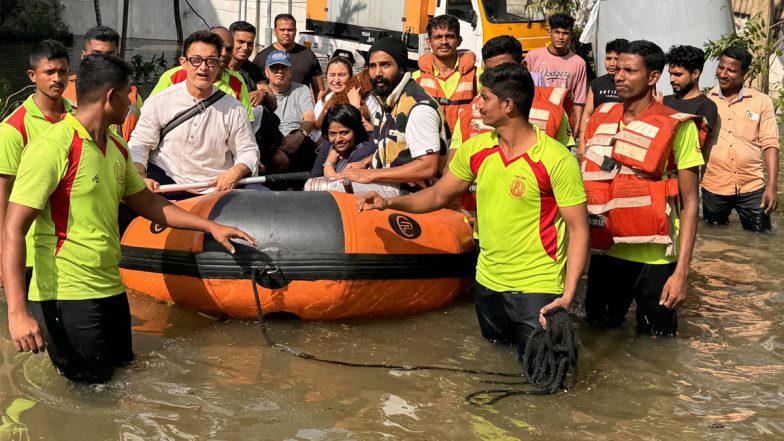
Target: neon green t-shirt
[(229, 82), (77, 187), (22, 126), (522, 237), (687, 153)]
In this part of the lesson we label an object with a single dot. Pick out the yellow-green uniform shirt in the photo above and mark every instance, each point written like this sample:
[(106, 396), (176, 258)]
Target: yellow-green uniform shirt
[(23, 125), (229, 82), (77, 187), (687, 154), (522, 238)]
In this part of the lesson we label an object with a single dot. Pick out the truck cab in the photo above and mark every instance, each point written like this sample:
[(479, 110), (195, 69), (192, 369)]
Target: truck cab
[(353, 25)]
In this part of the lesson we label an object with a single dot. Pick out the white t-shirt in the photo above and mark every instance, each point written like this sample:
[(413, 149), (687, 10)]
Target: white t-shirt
[(423, 131)]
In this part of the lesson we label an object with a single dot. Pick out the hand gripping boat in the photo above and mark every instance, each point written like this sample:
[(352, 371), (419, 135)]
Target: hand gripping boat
[(317, 258)]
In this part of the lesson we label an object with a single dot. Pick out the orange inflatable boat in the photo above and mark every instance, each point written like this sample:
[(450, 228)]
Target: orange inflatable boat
[(317, 258)]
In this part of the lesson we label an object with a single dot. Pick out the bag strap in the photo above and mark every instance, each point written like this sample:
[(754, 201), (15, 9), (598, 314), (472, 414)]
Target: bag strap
[(190, 113)]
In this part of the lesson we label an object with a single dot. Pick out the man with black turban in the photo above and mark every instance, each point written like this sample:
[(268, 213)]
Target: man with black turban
[(411, 131)]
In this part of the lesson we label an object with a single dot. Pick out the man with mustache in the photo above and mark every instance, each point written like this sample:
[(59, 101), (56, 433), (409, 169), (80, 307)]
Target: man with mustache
[(215, 145), (305, 67), (411, 132), (226, 80), (641, 171), (49, 69), (530, 197), (105, 40), (747, 144), (447, 76), (685, 68)]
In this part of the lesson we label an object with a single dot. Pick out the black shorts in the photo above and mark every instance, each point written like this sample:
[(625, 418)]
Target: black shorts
[(716, 209), (509, 317), (612, 285), (86, 339)]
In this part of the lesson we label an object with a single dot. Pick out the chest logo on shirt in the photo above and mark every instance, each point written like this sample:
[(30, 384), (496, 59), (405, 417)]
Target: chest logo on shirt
[(119, 173), (96, 179), (517, 187)]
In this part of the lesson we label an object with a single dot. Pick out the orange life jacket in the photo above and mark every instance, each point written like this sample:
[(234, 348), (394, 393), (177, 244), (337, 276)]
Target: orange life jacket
[(464, 93), (544, 114), (131, 119), (631, 192), (560, 96)]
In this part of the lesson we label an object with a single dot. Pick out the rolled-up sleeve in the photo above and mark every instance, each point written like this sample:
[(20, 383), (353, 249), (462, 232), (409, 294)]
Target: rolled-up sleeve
[(146, 136), (768, 128), (242, 143)]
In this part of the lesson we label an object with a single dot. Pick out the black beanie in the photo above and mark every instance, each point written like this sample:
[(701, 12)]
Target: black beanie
[(392, 46)]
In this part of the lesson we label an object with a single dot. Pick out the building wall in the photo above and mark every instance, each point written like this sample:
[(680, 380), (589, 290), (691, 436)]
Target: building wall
[(154, 19)]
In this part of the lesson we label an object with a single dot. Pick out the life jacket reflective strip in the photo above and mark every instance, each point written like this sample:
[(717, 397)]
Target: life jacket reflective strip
[(463, 95), (628, 200), (560, 96)]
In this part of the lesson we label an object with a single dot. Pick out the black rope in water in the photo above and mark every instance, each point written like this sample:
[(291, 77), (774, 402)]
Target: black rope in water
[(547, 359), (549, 356), (285, 348)]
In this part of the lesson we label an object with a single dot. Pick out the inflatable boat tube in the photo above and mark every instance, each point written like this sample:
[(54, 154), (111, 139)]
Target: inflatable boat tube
[(317, 258)]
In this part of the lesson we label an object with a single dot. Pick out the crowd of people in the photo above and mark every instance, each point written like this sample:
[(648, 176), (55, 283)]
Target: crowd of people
[(547, 166)]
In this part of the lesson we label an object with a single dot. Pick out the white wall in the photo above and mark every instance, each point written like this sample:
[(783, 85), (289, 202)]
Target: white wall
[(154, 19)]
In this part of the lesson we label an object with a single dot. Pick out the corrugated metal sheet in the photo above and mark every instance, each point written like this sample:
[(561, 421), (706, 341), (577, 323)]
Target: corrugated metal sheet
[(750, 7)]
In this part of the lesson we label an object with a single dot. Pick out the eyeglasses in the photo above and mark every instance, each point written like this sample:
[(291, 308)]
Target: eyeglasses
[(211, 61)]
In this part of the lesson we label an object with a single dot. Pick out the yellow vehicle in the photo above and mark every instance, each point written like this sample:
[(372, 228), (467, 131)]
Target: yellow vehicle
[(353, 25)]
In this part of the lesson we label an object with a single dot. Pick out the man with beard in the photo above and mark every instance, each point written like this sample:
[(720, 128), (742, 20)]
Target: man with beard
[(410, 134), (49, 67), (643, 205), (685, 68), (529, 196), (447, 76), (746, 146)]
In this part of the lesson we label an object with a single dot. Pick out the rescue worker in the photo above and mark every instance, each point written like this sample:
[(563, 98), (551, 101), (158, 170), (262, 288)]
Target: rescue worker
[(530, 197), (447, 76), (105, 40), (642, 157), (49, 67)]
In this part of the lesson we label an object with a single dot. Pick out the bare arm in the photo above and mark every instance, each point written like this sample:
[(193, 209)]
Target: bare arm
[(163, 212), (674, 291), (770, 197), (430, 199), (6, 183), (582, 123), (576, 219), (23, 328), (420, 169), (577, 114)]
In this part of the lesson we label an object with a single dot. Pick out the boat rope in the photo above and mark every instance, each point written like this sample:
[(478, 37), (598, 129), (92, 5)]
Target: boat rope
[(552, 352)]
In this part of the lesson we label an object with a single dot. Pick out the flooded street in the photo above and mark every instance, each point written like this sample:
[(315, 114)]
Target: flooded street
[(197, 378)]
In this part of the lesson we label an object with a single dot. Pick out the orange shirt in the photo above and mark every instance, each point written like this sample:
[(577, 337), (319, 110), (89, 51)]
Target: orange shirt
[(746, 128)]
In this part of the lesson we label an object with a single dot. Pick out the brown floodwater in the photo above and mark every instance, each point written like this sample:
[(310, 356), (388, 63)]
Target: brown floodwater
[(196, 378)]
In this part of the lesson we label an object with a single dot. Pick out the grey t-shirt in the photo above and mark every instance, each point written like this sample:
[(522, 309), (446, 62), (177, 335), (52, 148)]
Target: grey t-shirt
[(292, 105)]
